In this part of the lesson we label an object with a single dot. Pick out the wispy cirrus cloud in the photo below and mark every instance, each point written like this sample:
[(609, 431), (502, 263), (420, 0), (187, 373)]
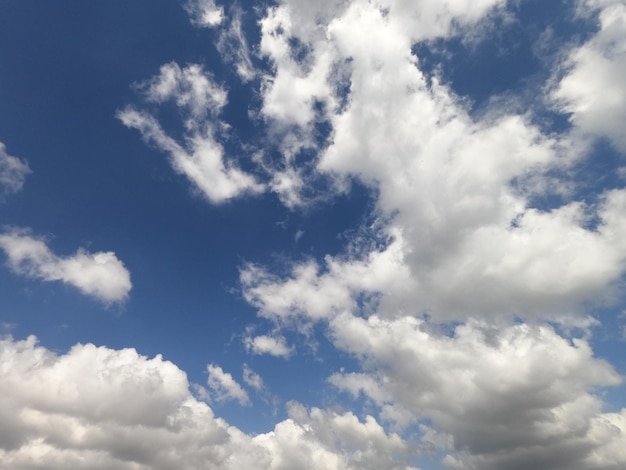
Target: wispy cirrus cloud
[(101, 275)]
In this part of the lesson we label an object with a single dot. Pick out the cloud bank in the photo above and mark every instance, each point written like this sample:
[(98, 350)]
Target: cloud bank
[(95, 407)]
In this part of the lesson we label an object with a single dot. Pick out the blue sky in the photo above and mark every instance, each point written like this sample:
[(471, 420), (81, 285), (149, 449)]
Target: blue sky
[(336, 235)]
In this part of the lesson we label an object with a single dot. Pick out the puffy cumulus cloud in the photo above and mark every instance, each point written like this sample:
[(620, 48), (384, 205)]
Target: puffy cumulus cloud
[(13, 171), (460, 240), (313, 293), (295, 443), (101, 275), (454, 191), (545, 265), (592, 88), (512, 397), (264, 344), (309, 78), (224, 387), (95, 407), (205, 13), (99, 408), (201, 157)]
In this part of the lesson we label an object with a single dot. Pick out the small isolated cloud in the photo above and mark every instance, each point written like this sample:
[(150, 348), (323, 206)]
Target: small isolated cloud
[(201, 157), (101, 275), (223, 387), (13, 172), (205, 13), (274, 346), (190, 88), (252, 379)]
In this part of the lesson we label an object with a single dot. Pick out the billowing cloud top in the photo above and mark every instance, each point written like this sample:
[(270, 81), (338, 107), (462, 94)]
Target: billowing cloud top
[(94, 407)]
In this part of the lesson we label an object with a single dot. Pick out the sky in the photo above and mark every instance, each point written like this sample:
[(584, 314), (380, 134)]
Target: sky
[(342, 234)]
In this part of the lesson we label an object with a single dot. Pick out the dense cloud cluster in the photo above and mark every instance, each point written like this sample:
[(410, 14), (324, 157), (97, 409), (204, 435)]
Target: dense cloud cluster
[(95, 408), (463, 241)]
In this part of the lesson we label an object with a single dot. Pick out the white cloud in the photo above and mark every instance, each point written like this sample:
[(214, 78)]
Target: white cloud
[(295, 443), (13, 171), (224, 387), (508, 397), (454, 192), (202, 162), (252, 379), (233, 46), (272, 345), (205, 13), (95, 407), (456, 239), (593, 87), (191, 88), (101, 275), (201, 158)]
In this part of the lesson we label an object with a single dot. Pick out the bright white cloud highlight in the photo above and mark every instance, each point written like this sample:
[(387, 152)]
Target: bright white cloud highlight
[(593, 88), (95, 407), (13, 172), (264, 344), (224, 387), (101, 275), (205, 13), (201, 158)]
